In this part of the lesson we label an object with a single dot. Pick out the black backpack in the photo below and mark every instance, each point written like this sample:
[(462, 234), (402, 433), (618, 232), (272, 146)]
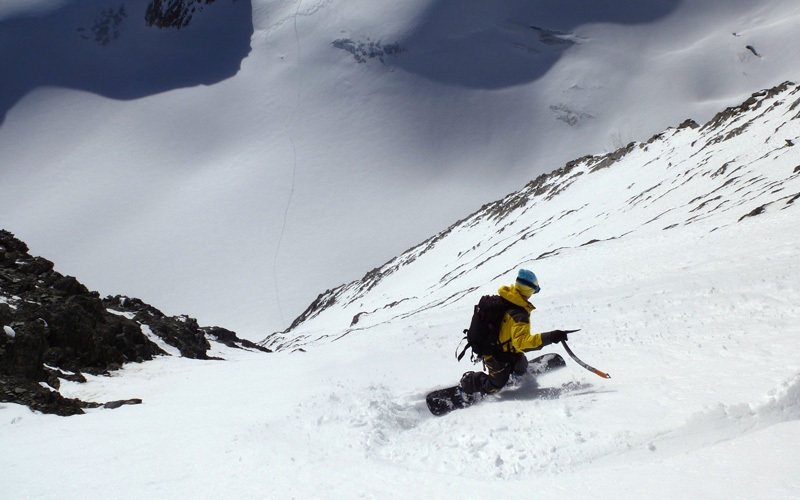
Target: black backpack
[(484, 329)]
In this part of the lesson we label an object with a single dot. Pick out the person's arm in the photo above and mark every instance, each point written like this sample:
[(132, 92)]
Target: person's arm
[(525, 341)]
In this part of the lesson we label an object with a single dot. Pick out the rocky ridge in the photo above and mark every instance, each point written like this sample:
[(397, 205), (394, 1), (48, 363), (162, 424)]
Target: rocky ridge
[(54, 328)]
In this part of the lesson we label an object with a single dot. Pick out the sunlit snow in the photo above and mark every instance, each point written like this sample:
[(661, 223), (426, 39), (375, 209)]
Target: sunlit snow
[(239, 201)]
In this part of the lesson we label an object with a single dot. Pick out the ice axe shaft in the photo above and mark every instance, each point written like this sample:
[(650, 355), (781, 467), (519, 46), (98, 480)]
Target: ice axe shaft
[(590, 368)]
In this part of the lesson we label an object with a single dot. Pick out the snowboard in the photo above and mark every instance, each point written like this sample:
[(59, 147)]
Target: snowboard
[(443, 401)]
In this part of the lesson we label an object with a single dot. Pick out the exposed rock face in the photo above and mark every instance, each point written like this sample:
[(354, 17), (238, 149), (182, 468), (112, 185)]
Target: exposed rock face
[(182, 332), (230, 339), (173, 13), (52, 327)]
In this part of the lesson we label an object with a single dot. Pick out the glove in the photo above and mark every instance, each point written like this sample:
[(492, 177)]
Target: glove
[(553, 337)]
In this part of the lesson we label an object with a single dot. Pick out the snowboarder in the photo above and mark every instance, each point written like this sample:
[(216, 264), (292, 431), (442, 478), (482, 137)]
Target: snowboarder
[(514, 339)]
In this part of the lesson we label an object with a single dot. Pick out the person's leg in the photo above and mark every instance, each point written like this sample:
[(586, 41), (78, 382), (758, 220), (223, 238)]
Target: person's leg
[(486, 383), (520, 365), (498, 374)]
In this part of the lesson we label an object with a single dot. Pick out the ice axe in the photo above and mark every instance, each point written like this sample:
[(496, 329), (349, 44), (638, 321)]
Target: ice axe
[(573, 356)]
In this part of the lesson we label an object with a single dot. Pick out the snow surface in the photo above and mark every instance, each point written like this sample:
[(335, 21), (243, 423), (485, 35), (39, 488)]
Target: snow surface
[(690, 306), (234, 170), (9, 331), (179, 197), (704, 401)]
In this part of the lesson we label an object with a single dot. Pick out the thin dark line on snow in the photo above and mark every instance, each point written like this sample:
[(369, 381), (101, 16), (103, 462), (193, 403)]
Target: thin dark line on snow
[(289, 128)]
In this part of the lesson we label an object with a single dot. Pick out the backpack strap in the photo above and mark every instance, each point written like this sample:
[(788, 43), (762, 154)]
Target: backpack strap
[(463, 351), (502, 351)]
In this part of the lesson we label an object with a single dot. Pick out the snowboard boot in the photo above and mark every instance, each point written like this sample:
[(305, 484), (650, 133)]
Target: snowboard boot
[(514, 380), (463, 392)]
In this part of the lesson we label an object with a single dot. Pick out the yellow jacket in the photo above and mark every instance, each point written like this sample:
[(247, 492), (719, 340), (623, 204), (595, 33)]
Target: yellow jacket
[(515, 331)]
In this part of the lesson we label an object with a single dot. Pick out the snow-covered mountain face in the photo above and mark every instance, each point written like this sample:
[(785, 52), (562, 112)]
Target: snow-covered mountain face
[(687, 184), (677, 259), (235, 167)]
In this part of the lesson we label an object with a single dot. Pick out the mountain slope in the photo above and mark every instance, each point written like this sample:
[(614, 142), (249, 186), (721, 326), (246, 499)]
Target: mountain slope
[(740, 164), (676, 257), (221, 158)]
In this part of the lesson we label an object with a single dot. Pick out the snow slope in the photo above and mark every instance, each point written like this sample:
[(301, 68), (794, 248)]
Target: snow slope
[(742, 163), (676, 257), (234, 169)]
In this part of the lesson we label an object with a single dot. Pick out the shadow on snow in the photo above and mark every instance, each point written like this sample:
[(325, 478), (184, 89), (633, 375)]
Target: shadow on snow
[(106, 48), (491, 45)]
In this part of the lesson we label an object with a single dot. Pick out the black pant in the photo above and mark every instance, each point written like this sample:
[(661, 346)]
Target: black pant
[(497, 376)]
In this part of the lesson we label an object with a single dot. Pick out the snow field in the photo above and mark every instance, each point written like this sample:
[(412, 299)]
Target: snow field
[(703, 398), (180, 198), (305, 148)]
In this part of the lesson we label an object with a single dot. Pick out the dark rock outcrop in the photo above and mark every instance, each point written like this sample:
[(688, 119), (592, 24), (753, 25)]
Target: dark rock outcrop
[(173, 13), (52, 327)]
